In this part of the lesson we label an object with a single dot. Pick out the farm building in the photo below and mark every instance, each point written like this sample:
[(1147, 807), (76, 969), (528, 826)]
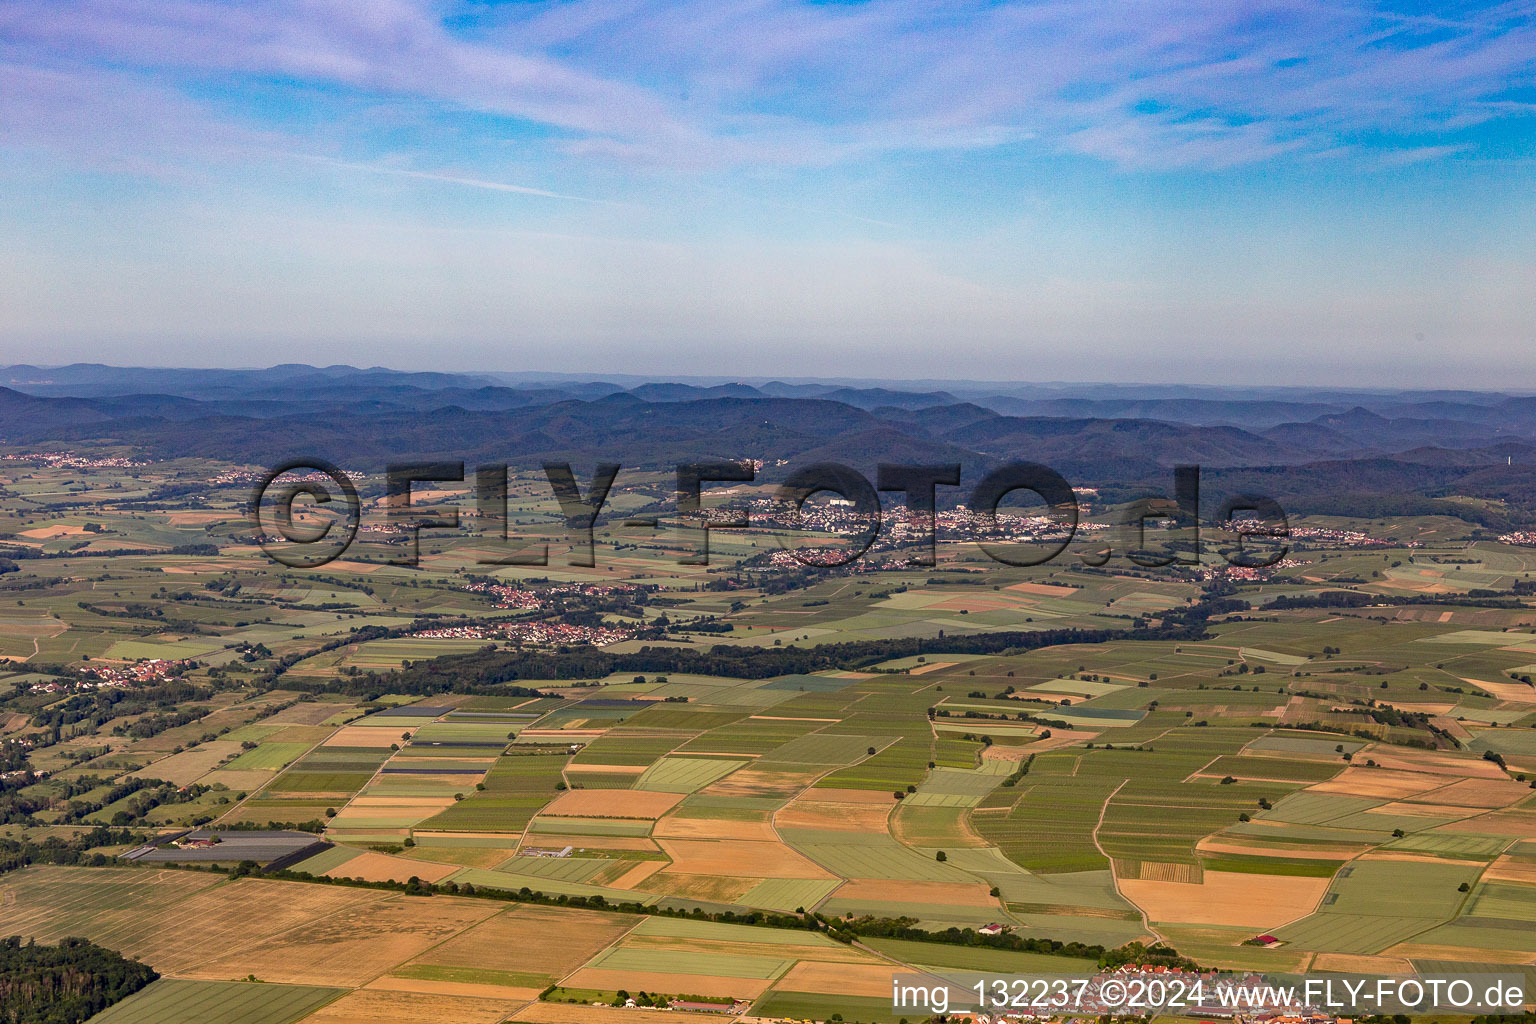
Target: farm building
[(202, 846)]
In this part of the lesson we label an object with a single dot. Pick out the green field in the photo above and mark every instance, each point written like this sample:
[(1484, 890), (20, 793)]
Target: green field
[(1364, 911), (685, 774), (175, 1001), (268, 756), (516, 787)]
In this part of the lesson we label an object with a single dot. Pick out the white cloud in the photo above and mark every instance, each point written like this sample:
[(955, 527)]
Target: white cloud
[(702, 83)]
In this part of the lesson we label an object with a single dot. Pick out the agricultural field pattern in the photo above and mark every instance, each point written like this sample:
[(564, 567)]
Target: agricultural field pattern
[(743, 787)]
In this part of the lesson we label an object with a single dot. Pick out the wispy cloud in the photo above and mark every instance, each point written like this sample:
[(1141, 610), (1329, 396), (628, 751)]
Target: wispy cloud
[(449, 179), (712, 83)]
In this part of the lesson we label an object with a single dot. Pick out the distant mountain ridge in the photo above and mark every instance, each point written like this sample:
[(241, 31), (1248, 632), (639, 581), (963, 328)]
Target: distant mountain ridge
[(1389, 443)]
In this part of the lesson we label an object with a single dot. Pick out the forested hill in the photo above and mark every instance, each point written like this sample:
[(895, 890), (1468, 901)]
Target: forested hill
[(64, 984)]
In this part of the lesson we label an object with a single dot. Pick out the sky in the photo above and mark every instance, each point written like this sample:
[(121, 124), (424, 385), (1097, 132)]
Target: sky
[(1180, 190)]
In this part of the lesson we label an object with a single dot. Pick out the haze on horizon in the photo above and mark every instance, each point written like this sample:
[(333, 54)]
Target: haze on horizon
[(1167, 192)]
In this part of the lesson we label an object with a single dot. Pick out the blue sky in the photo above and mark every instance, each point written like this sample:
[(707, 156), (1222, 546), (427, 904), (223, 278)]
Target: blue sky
[(1172, 191)]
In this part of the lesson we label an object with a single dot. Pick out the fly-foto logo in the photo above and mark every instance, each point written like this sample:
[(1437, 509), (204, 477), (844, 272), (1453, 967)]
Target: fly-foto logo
[(1009, 534)]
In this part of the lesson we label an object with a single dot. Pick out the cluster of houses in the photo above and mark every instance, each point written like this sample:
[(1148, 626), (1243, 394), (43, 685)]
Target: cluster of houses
[(69, 460), (531, 633), (457, 633), (521, 598), (231, 477), (1248, 574), (841, 516), (146, 672), (564, 633), (1332, 537)]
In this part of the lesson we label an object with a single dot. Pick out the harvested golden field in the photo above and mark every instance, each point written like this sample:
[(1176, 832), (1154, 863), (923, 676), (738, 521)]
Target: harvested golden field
[(611, 803), (382, 867), (1420, 707), (364, 736), (675, 827), (370, 1006), (1376, 782), (1228, 898), (1058, 739), (353, 946), (837, 811), (991, 603), (1418, 858), (839, 979), (714, 888), (1487, 794), (1427, 809), (188, 766), (1464, 954), (239, 780), (1411, 760), (1253, 847), (53, 532), (195, 518), (1519, 824), (363, 568), (638, 874), (536, 940), (240, 915), (175, 921), (750, 782), (1348, 963), (736, 857), (1516, 693), (1510, 869), (1043, 589)]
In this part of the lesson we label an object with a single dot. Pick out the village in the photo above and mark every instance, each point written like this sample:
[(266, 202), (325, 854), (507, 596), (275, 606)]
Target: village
[(145, 672), (532, 633)]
